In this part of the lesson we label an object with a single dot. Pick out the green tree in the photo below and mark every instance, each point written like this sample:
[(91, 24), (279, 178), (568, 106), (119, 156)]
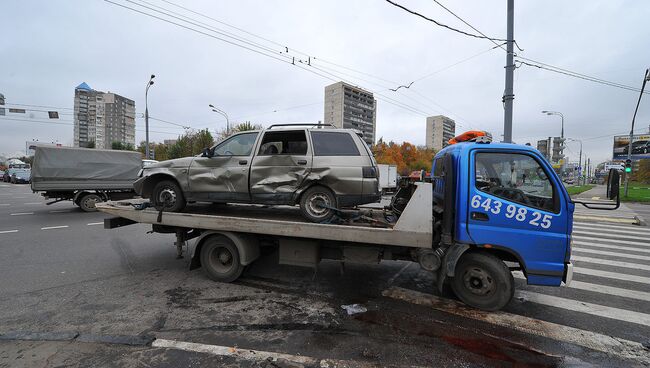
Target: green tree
[(90, 144), (240, 127), (122, 146)]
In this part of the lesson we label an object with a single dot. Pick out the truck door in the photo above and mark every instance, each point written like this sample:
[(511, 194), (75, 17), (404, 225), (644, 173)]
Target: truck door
[(283, 161), (224, 176), (515, 204)]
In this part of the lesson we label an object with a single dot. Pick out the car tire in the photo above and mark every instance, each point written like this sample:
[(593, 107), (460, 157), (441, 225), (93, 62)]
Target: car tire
[(169, 189), (310, 200), (220, 259), (88, 201), (483, 281)]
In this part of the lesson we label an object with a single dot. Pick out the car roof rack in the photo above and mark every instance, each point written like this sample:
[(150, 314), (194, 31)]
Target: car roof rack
[(300, 124)]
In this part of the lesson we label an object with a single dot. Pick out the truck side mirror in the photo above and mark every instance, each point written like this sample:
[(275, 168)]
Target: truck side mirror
[(207, 152), (613, 184)]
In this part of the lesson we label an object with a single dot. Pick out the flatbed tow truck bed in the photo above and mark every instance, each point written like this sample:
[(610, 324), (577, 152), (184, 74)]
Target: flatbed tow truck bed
[(412, 230)]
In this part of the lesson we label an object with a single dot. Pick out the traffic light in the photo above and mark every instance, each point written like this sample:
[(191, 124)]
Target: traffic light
[(628, 165)]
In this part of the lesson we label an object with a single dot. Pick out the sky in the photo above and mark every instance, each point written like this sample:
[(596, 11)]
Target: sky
[(50, 47)]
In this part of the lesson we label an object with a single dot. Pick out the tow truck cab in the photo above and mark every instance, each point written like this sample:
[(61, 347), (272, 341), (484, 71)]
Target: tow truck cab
[(504, 200)]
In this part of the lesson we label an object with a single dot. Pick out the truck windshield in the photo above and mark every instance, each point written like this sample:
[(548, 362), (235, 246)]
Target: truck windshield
[(515, 177)]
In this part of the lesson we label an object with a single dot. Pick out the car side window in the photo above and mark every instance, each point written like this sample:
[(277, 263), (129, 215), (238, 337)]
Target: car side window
[(333, 144), (237, 145), (292, 142), (515, 177)]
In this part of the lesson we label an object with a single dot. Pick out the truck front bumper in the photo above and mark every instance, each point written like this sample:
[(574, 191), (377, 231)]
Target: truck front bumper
[(568, 274)]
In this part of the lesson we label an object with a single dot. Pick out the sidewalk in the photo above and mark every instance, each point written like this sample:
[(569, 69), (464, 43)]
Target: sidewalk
[(623, 214)]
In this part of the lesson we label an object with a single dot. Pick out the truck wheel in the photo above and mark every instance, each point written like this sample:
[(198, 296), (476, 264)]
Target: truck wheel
[(314, 204), (169, 191), (483, 281), (220, 259), (88, 201)]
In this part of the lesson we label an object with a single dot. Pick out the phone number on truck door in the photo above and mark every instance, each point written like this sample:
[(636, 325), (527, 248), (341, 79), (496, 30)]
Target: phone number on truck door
[(512, 212)]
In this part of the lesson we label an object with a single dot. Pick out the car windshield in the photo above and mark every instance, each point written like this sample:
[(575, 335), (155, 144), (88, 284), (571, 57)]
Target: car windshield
[(238, 145)]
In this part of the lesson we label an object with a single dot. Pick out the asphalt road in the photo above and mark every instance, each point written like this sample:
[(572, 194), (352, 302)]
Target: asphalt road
[(74, 294)]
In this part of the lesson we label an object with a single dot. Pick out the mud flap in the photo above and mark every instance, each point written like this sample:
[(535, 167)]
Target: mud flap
[(448, 268)]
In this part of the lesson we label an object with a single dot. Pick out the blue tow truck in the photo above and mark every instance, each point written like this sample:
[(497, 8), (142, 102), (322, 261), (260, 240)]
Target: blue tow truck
[(490, 209)]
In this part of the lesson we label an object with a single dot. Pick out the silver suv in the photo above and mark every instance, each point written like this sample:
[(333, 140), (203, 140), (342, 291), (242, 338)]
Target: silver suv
[(321, 169)]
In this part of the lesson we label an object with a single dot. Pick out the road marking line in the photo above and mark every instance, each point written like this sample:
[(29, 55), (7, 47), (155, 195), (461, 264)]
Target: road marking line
[(60, 211), (5, 204), (606, 344), (615, 227), (613, 254), (32, 203), (602, 289), (251, 355), (8, 231), (587, 235), (584, 307), (95, 223), (585, 229), (21, 213), (600, 240), (54, 227), (612, 275), (609, 246), (635, 266)]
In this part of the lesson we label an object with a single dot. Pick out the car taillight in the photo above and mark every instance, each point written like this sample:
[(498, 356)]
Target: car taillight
[(370, 172)]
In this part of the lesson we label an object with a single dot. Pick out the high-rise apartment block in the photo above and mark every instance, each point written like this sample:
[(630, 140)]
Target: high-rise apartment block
[(440, 129), (101, 118), (347, 106)]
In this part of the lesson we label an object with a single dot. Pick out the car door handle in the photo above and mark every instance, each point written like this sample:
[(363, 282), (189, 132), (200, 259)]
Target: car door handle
[(480, 216), (243, 162), (302, 162)]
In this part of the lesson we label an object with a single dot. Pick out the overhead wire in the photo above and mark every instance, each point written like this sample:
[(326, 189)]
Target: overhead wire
[(70, 123)]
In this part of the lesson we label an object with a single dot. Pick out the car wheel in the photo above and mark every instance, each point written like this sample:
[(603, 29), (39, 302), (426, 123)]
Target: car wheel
[(88, 201), (483, 281), (168, 194), (316, 204), (220, 259)]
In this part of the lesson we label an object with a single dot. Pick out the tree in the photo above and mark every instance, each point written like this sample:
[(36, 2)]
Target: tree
[(189, 144), (90, 144), (241, 127), (122, 146), (405, 156)]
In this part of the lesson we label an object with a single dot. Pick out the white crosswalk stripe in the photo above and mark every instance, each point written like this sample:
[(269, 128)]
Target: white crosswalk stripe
[(607, 262), (640, 242), (612, 275), (584, 234), (612, 254), (594, 226), (580, 244)]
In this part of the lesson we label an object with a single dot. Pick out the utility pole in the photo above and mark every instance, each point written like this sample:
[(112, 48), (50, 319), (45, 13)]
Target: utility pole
[(646, 77), (508, 93), (146, 116)]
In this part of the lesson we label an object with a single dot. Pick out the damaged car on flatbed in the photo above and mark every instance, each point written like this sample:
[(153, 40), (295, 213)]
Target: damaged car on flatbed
[(316, 166)]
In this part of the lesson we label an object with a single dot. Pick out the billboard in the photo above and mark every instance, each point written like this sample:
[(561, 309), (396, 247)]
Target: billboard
[(640, 146)]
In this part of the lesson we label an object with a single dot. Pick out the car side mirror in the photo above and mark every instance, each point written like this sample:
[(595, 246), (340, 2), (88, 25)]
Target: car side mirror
[(207, 152), (613, 184)]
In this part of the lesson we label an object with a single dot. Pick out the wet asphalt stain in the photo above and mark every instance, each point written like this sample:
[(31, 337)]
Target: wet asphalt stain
[(180, 297), (125, 253)]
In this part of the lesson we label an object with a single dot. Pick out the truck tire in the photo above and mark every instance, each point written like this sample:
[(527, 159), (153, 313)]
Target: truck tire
[(220, 259), (168, 189), (310, 204), (483, 281), (88, 201)]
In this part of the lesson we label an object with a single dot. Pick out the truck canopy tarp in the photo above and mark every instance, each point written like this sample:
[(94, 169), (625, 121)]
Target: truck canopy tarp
[(58, 168)]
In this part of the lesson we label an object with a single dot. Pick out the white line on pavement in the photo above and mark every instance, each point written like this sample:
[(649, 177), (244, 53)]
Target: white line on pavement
[(21, 213), (613, 254), (612, 275), (54, 227), (615, 227), (607, 344), (60, 211), (95, 223), (584, 307), (5, 204), (600, 240), (251, 355), (30, 203), (628, 236), (588, 230), (609, 290), (8, 231), (635, 266), (608, 246)]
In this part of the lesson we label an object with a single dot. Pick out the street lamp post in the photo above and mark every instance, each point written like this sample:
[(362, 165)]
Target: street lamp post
[(579, 159), (646, 77), (146, 116), (219, 111), (561, 133)]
